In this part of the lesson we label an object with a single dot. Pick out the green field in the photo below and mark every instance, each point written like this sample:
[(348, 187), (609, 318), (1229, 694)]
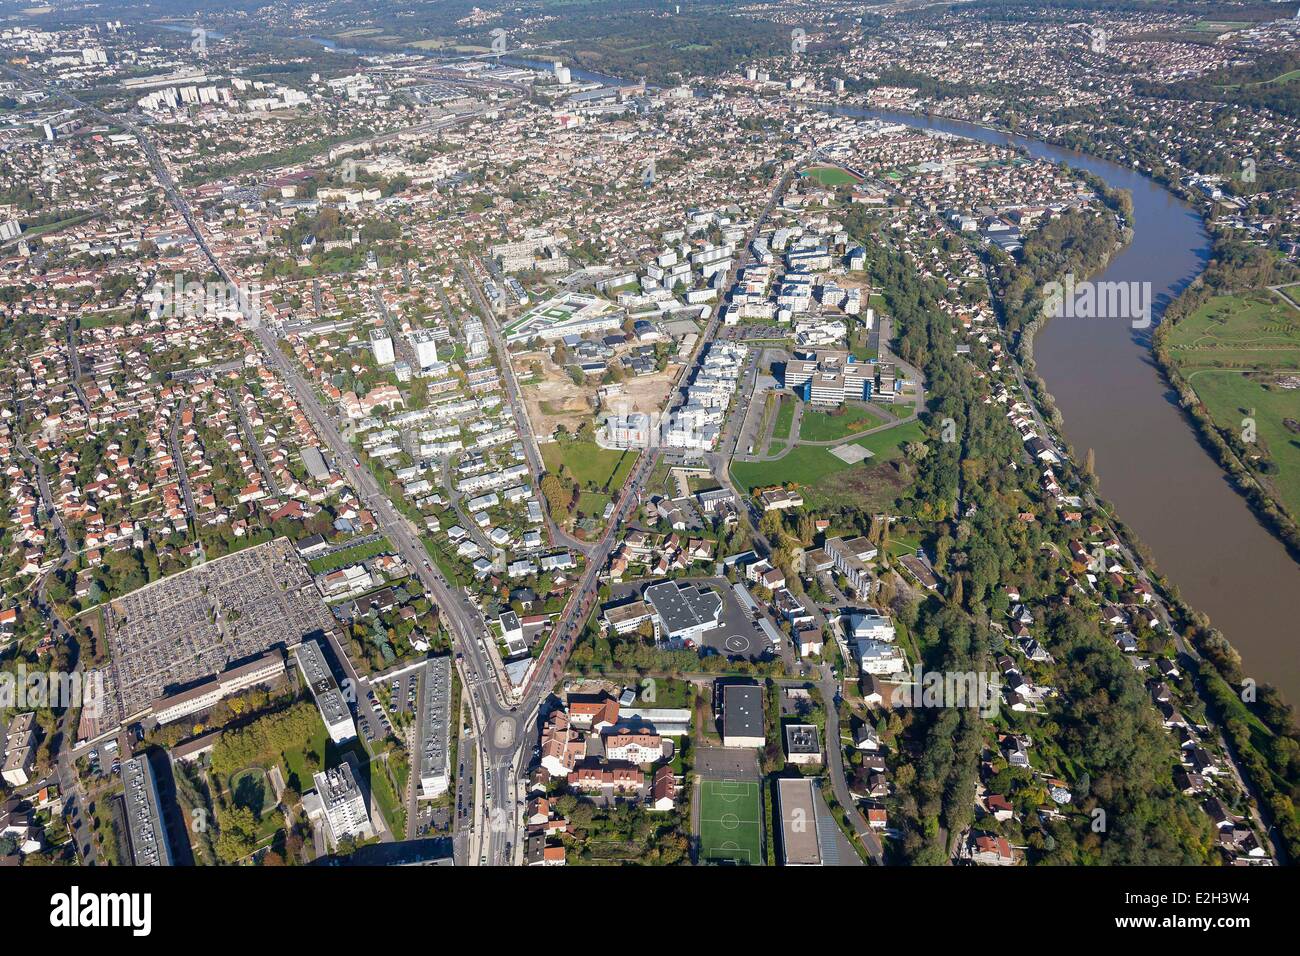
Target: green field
[(731, 822), (587, 462), (810, 465), (830, 175), (1231, 397), (784, 418), (1256, 331), (1233, 351), (353, 555), (818, 425)]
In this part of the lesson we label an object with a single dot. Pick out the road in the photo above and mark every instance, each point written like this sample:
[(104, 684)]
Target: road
[(250, 438), (74, 366), (830, 691), (536, 467), (178, 459), (74, 803), (503, 737)]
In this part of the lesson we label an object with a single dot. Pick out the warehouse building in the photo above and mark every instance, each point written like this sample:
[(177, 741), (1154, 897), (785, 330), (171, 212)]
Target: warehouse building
[(742, 716), (800, 839)]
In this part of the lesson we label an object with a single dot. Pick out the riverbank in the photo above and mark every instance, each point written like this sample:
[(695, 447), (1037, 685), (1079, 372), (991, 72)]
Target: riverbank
[(1227, 448), (1110, 397)]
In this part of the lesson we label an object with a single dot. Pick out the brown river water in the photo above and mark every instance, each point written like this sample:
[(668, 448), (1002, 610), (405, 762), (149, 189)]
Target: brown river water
[(1164, 485)]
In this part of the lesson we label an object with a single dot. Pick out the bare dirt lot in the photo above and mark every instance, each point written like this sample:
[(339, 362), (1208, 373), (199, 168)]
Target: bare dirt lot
[(553, 399)]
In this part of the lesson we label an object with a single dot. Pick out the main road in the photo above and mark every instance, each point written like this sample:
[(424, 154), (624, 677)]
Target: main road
[(500, 730)]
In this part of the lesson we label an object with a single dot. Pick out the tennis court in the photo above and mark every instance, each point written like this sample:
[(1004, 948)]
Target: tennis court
[(731, 822)]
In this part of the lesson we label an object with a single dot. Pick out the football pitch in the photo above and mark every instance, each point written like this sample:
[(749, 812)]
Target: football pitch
[(731, 822)]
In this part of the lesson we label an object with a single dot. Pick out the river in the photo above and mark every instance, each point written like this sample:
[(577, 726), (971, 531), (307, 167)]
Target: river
[(1165, 486)]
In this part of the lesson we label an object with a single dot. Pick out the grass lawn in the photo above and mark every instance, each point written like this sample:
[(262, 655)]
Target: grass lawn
[(784, 418), (889, 444), (353, 555), (1232, 396), (592, 504), (731, 822), (811, 465), (817, 425), (390, 803), (587, 462), (805, 465), (1230, 350), (830, 175), (1255, 331)]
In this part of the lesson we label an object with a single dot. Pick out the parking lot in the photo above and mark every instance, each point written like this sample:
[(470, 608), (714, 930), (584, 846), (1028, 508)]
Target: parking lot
[(738, 633)]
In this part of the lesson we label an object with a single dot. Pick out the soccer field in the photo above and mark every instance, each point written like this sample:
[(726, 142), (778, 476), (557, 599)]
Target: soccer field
[(731, 822)]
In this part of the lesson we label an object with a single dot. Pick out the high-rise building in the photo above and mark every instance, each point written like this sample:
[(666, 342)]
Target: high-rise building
[(329, 699), (426, 347), (381, 343), (144, 814), (343, 805)]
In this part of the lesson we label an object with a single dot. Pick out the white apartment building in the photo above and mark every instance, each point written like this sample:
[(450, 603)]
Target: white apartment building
[(343, 805)]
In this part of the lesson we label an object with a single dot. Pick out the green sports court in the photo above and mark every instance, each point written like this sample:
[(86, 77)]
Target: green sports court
[(731, 822)]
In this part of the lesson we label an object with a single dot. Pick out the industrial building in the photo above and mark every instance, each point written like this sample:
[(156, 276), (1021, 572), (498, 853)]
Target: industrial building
[(683, 612), (801, 843)]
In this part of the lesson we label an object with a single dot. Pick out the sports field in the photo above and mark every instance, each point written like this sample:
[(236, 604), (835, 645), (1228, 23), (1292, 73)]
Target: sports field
[(731, 822), (830, 175)]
